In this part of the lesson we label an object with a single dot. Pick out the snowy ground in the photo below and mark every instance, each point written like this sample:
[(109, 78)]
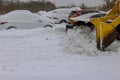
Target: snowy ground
[(53, 54)]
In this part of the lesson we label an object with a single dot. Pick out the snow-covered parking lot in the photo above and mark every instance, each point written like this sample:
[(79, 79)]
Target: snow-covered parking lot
[(53, 54)]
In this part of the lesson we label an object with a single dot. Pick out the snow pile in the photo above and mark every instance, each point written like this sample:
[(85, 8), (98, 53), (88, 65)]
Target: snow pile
[(82, 42), (37, 54), (41, 12), (79, 42)]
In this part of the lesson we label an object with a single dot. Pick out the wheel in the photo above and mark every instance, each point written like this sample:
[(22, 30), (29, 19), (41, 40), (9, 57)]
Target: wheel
[(69, 26), (11, 27), (63, 21), (47, 26)]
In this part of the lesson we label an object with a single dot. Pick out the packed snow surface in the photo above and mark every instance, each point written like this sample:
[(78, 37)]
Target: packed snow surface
[(53, 54)]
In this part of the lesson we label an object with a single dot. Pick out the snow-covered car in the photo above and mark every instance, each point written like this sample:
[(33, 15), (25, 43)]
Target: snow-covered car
[(84, 19), (87, 17), (81, 12), (60, 15), (24, 19)]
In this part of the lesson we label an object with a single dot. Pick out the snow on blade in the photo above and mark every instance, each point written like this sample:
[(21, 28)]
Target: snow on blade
[(81, 41)]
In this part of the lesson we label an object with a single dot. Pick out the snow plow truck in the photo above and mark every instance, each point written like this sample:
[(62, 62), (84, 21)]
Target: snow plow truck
[(107, 27)]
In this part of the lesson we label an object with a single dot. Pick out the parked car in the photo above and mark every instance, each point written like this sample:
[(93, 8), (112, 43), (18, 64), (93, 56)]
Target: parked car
[(83, 20), (81, 12), (23, 19), (60, 15)]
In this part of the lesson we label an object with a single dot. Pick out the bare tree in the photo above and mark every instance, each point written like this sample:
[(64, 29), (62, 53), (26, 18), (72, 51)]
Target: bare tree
[(83, 6), (34, 6), (108, 4)]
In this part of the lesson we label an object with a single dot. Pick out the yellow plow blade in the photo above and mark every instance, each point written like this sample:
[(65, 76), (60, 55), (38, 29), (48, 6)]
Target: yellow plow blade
[(105, 33)]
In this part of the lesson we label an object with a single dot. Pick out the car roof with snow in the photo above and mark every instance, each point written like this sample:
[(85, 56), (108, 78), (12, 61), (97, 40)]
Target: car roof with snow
[(61, 10), (85, 16), (21, 15)]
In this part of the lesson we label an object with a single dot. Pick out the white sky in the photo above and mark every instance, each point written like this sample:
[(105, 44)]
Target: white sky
[(76, 2)]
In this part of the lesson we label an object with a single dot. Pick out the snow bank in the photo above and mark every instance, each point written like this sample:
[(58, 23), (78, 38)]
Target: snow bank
[(37, 54), (83, 42)]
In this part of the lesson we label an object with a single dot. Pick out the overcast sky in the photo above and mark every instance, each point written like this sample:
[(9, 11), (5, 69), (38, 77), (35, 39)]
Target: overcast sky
[(76, 2)]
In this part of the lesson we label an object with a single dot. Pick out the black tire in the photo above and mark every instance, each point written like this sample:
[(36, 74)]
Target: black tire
[(48, 26), (63, 21), (69, 26), (11, 27), (79, 23)]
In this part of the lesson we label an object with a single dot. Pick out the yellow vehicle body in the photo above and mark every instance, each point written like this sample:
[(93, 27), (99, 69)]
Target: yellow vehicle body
[(106, 27)]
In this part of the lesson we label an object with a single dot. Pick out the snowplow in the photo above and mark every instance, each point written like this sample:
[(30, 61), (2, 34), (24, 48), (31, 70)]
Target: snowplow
[(107, 27)]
